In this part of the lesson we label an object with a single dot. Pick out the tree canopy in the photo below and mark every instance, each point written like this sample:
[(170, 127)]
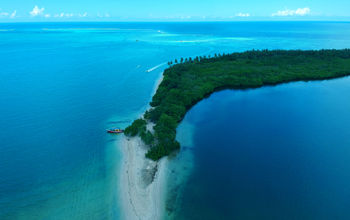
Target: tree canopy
[(186, 83)]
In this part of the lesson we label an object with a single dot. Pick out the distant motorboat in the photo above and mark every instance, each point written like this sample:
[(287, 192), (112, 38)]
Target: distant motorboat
[(155, 67), (115, 130)]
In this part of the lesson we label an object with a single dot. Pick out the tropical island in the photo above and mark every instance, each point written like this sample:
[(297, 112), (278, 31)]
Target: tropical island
[(189, 80)]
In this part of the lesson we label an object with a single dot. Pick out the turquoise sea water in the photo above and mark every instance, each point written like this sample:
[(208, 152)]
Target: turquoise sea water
[(63, 84)]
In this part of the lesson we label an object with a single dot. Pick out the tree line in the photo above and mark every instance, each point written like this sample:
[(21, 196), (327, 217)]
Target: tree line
[(188, 80)]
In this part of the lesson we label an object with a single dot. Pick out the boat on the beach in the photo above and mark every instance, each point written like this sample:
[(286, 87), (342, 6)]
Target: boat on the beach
[(115, 130)]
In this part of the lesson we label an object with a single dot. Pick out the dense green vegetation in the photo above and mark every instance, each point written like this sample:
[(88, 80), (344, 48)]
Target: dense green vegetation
[(138, 127), (189, 81)]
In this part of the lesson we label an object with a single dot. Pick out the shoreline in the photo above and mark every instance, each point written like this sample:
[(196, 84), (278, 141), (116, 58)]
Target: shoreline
[(142, 183)]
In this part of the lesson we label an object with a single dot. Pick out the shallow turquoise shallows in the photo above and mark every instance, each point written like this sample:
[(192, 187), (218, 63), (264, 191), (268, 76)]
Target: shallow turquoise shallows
[(63, 84)]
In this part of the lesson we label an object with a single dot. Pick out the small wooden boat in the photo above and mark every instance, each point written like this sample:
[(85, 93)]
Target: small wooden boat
[(115, 130)]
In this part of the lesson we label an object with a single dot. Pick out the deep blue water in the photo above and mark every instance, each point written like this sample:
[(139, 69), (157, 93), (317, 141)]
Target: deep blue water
[(271, 153), (63, 84)]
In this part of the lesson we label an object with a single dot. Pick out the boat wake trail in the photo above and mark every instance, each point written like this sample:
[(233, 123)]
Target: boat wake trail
[(155, 67)]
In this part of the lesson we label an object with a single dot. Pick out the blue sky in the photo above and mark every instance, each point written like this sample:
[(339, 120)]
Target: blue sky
[(173, 10)]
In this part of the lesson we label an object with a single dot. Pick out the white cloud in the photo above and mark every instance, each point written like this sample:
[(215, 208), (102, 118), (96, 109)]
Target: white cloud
[(302, 11), (4, 14), (185, 17), (37, 11), (59, 15), (63, 14), (83, 15), (242, 14), (297, 12), (47, 15), (13, 14), (106, 15)]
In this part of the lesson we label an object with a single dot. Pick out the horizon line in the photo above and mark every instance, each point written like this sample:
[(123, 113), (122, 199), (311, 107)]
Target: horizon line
[(166, 21)]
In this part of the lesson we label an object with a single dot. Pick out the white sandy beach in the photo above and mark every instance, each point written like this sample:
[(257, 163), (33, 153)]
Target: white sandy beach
[(142, 182), (141, 198)]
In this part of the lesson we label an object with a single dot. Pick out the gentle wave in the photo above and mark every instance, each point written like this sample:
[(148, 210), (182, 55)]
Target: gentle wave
[(155, 67)]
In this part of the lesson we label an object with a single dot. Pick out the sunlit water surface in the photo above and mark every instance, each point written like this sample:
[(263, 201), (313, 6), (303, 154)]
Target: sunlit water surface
[(63, 84)]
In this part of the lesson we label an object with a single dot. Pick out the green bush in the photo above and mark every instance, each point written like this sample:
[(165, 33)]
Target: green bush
[(136, 127), (147, 137)]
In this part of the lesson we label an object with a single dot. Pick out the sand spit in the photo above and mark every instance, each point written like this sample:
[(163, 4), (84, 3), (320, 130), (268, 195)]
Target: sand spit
[(142, 182)]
